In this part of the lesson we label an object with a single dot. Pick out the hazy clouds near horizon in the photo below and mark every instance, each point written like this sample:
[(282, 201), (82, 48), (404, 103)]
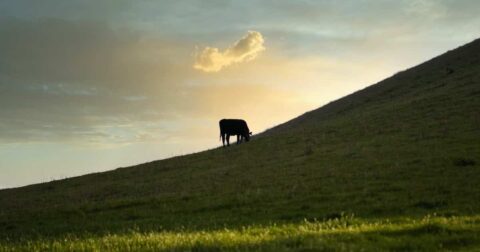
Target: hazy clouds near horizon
[(105, 78)]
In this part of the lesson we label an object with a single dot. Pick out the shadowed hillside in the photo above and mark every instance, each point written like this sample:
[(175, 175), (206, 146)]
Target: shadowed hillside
[(407, 146)]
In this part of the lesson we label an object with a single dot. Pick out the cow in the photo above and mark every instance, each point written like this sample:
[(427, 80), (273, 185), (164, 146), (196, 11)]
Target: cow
[(230, 127)]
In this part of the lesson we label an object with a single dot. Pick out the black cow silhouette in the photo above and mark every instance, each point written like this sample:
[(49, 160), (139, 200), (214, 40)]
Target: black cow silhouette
[(230, 127)]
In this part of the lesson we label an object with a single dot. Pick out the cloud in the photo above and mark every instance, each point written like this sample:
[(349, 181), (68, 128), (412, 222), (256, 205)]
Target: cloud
[(427, 9), (211, 59), (64, 80)]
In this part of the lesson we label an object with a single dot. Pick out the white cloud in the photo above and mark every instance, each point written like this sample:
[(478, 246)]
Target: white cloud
[(211, 59)]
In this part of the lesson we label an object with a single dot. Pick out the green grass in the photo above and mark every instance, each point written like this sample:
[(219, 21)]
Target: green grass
[(390, 154), (431, 233)]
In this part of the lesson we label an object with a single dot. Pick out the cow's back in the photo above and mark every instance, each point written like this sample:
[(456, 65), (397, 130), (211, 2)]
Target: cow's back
[(233, 126)]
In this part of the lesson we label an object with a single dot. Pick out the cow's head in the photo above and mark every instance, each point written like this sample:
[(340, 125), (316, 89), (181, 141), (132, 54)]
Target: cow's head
[(247, 137)]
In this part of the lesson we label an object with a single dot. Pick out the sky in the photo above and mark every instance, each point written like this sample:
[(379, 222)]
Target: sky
[(89, 86)]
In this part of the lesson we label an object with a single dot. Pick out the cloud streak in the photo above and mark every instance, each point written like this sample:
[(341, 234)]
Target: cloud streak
[(211, 59)]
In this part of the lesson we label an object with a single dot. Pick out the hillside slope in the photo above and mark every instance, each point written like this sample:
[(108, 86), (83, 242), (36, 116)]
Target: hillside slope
[(404, 147)]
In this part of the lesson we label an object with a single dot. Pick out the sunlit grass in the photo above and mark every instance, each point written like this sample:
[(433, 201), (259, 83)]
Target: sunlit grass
[(346, 233)]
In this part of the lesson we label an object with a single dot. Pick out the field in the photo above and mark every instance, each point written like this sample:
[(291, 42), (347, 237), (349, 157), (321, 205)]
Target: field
[(346, 233), (392, 167)]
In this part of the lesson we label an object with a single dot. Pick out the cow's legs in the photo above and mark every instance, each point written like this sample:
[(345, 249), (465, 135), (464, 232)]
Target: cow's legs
[(239, 139), (228, 140), (223, 139)]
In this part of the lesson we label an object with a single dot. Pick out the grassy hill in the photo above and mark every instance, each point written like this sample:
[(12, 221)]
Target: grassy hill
[(393, 166)]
